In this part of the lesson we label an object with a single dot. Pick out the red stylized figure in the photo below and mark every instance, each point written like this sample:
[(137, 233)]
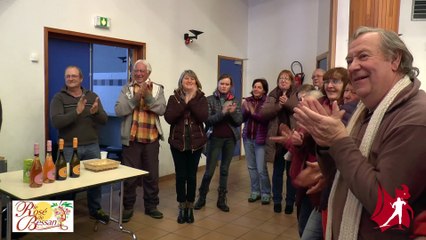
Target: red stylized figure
[(390, 211)]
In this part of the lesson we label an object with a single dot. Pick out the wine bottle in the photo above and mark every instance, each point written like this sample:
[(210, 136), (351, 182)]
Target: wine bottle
[(61, 163), (49, 166), (36, 172), (75, 160)]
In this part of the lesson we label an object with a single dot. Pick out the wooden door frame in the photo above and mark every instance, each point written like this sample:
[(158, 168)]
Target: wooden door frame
[(138, 50), (332, 34)]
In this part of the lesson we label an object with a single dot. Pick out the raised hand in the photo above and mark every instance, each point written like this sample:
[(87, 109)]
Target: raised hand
[(95, 106), (326, 128), (297, 138), (146, 88), (81, 104), (285, 134), (309, 176), (138, 94), (283, 99), (244, 105), (232, 107)]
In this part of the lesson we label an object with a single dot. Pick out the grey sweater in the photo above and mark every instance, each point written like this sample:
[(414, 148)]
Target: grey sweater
[(69, 124)]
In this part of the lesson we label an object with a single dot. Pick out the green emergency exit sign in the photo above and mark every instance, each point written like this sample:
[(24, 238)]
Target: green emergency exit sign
[(102, 22)]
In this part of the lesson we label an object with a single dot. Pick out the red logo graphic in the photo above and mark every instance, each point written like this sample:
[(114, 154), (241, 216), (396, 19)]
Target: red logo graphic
[(391, 212)]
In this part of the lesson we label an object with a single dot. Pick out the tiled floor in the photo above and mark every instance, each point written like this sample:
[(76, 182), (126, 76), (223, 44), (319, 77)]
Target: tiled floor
[(249, 221)]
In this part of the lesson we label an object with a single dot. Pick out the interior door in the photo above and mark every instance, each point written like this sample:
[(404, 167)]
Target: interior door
[(63, 53), (233, 67)]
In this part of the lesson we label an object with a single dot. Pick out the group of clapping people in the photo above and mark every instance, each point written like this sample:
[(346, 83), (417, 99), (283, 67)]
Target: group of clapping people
[(351, 138), (348, 138)]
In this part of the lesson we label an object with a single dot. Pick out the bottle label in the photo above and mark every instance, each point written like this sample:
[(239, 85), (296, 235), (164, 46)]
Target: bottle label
[(51, 175), (39, 178), (62, 172), (76, 169)]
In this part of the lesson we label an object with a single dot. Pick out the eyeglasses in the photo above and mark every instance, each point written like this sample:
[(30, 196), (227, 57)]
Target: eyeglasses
[(332, 81), (139, 70), (72, 76), (282, 79)]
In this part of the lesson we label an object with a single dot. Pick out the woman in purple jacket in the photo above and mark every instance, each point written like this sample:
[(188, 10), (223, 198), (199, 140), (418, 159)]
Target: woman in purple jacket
[(254, 137)]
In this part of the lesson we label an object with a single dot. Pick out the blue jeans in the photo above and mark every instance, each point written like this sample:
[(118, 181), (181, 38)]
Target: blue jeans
[(215, 146), (313, 228), (304, 211), (278, 178), (86, 152), (259, 177)]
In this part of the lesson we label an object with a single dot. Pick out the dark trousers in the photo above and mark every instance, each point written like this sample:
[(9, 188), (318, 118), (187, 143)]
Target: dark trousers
[(278, 178), (215, 147), (186, 165), (142, 156)]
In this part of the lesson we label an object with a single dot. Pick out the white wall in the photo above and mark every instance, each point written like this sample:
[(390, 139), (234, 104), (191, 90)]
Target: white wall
[(282, 31), (323, 26), (159, 23), (413, 34)]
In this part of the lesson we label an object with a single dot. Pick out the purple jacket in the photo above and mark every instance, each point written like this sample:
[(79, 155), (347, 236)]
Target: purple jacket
[(255, 124)]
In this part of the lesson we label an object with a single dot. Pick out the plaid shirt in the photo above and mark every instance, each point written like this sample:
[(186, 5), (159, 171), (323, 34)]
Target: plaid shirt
[(143, 127)]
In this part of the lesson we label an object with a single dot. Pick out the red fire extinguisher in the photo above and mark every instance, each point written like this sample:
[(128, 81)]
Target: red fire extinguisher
[(298, 77)]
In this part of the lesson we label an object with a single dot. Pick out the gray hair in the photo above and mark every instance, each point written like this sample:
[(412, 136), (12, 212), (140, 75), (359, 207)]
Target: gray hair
[(144, 62), (391, 46)]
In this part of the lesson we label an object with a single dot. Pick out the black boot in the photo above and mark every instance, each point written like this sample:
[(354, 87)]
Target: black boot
[(190, 212), (221, 200), (204, 189), (201, 201), (182, 213)]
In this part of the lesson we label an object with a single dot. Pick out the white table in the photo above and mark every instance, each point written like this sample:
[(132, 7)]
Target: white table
[(13, 187)]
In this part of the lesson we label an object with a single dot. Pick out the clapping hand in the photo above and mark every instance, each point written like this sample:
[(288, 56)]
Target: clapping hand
[(325, 126), (229, 107), (248, 107), (311, 178), (285, 134), (81, 104), (146, 88), (297, 138), (95, 106), (232, 107), (283, 99)]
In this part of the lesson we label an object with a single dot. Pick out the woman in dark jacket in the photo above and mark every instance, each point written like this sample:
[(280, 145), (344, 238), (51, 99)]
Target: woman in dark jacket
[(254, 136), (223, 122), (283, 100), (186, 111)]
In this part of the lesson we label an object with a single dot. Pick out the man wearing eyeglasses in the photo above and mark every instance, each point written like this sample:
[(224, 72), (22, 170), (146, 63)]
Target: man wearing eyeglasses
[(140, 104), (77, 112), (317, 80)]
